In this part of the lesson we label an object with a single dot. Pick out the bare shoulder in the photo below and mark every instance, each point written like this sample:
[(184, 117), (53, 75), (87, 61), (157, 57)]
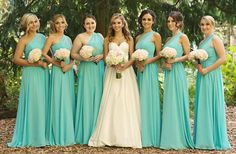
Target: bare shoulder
[(216, 38), (184, 37), (137, 38), (156, 35), (101, 35)]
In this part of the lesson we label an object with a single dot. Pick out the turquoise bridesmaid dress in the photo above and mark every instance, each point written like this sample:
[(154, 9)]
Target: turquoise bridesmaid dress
[(60, 129), (30, 128), (175, 132), (90, 86), (148, 85), (209, 109)]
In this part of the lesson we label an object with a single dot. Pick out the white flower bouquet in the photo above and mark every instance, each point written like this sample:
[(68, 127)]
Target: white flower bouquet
[(198, 55), (34, 55), (115, 57), (62, 54), (168, 53), (86, 51), (140, 55)]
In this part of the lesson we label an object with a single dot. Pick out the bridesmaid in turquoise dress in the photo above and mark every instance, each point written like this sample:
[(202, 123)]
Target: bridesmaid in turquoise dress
[(148, 83), (210, 130), (90, 80), (175, 133), (30, 125), (60, 124)]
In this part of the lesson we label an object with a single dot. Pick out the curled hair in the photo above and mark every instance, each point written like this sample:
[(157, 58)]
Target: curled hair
[(26, 19), (125, 29), (209, 19), (88, 16), (144, 12), (178, 18), (52, 22)]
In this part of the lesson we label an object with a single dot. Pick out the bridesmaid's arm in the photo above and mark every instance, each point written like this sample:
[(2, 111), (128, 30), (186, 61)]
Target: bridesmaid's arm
[(46, 48), (158, 46), (68, 66), (18, 60), (77, 44), (220, 50), (186, 47)]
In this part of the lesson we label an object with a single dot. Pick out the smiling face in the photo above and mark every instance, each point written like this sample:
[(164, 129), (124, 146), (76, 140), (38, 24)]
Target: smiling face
[(90, 25), (33, 24), (172, 24), (206, 27), (147, 21), (117, 24), (60, 24)]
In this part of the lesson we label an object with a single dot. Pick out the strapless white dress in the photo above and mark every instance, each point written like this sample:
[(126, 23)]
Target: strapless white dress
[(118, 122)]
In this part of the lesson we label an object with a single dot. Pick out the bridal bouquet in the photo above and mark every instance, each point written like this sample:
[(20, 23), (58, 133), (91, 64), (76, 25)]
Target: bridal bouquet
[(34, 55), (198, 55), (168, 53), (62, 54), (140, 55), (86, 51), (115, 57)]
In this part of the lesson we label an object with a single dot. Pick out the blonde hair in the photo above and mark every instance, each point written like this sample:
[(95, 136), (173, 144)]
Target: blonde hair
[(125, 29), (26, 19), (52, 22), (209, 19)]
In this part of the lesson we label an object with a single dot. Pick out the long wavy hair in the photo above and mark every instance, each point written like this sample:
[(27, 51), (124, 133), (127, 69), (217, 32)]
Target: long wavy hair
[(178, 18), (26, 19), (125, 29)]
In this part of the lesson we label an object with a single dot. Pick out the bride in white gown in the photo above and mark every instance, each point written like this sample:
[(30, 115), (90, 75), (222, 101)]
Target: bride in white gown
[(118, 122)]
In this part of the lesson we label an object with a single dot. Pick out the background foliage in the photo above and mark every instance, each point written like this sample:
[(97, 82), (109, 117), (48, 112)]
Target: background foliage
[(11, 10)]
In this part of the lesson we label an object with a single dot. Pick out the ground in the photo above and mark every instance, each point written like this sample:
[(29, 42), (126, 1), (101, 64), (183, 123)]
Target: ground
[(7, 126)]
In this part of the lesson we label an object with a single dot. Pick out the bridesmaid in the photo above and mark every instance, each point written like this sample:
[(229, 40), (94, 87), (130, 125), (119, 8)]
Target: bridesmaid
[(30, 125), (210, 130), (60, 129), (148, 80), (90, 80), (175, 120)]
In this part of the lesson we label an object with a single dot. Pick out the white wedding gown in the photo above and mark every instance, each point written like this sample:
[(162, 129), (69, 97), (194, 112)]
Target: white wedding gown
[(118, 122)]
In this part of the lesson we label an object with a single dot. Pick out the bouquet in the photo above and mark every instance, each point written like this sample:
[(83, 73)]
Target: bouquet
[(86, 51), (168, 53), (34, 55), (198, 55), (140, 55), (62, 54), (115, 57)]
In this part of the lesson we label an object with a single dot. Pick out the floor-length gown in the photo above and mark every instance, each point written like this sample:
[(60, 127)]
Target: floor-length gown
[(118, 122), (30, 128), (210, 130), (175, 132), (149, 95), (62, 101), (90, 86)]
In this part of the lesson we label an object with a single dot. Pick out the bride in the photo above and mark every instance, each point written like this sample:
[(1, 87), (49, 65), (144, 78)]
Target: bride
[(118, 122)]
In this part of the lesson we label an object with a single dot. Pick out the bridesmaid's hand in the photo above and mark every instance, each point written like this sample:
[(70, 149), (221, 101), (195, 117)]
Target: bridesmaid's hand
[(62, 63), (98, 58), (201, 70), (66, 68), (42, 64), (139, 65), (167, 66), (88, 59), (56, 63), (171, 61)]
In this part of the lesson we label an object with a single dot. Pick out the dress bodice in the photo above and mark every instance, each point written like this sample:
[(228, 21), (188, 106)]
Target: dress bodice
[(64, 42), (212, 56), (37, 42), (124, 46), (174, 43), (146, 43)]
